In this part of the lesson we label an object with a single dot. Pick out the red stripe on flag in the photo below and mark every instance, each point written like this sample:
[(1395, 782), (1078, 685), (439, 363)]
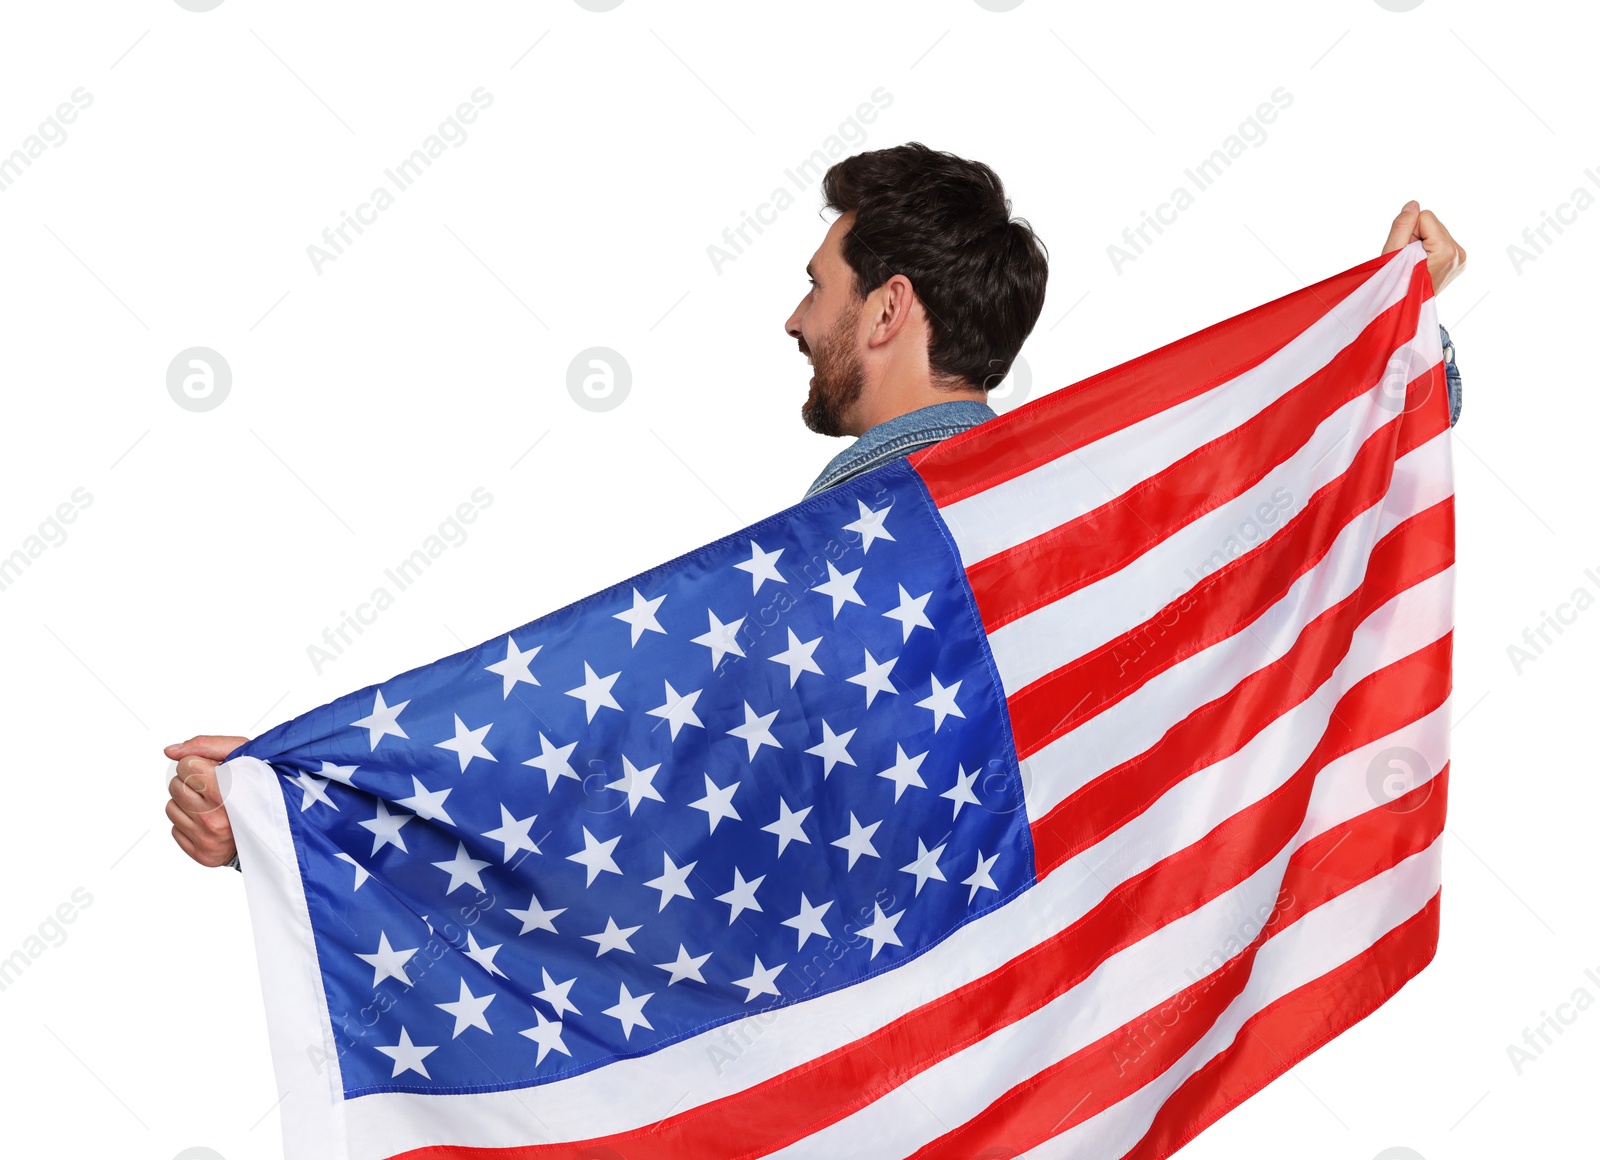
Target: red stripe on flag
[(1015, 443), (801, 1101), (1225, 600), (1018, 580), (1125, 1060), (1411, 552), (1284, 1033)]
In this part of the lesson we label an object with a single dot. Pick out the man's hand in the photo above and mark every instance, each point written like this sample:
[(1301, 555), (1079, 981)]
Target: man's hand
[(199, 821), (1445, 255)]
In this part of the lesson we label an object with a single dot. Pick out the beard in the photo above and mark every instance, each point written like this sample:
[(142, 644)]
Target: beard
[(839, 380)]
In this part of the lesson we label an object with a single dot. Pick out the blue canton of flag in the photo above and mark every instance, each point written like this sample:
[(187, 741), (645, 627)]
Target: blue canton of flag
[(756, 774)]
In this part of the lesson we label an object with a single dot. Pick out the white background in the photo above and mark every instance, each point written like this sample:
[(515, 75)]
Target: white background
[(369, 399)]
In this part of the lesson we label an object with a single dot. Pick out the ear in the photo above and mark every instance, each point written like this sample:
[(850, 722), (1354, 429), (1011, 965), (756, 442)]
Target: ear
[(896, 303)]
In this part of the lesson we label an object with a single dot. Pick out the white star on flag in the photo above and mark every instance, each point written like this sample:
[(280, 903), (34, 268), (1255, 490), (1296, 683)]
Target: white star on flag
[(743, 895), (613, 938), (678, 710), (468, 743), (463, 868), (980, 878), (344, 774), (554, 760), (926, 865), (756, 730), (720, 638), (362, 874), (596, 856), (718, 803), (536, 917), (870, 525), (386, 828), (483, 956), (595, 692), (905, 771), (513, 833), (858, 841), (942, 701), (315, 791), (809, 921), (832, 749), (881, 930), (961, 793), (798, 657), (874, 678), (788, 826), (761, 566), (468, 1010), (547, 1034), (426, 804), (382, 722), (556, 994), (386, 962), (637, 784), (910, 613), (686, 966), (514, 668), (407, 1056), (641, 618), (841, 588), (673, 882), (760, 980), (629, 1011)]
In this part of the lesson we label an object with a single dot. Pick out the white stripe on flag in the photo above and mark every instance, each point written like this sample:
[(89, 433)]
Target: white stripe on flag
[(1013, 512), (1413, 619), (1041, 641)]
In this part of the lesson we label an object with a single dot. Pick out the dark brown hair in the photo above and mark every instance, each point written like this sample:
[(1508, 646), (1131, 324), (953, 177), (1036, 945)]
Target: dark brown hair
[(945, 223)]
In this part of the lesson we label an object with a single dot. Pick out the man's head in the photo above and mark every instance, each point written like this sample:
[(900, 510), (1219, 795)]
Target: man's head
[(923, 289)]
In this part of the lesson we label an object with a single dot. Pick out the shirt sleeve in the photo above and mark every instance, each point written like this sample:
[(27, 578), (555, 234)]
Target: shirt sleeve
[(1452, 376)]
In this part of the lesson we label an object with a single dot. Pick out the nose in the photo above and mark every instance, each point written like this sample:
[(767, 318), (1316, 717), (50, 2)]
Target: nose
[(791, 326)]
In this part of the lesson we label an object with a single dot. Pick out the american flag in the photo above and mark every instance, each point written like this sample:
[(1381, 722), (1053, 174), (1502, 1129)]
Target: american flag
[(1045, 794)]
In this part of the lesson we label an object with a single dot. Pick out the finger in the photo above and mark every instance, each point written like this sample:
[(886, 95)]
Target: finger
[(187, 824), (209, 831), (212, 746), (200, 776), (194, 793), (204, 856), (1404, 229), (1432, 232)]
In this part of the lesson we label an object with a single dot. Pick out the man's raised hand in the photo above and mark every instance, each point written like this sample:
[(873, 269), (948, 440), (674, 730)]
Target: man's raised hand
[(1445, 255), (199, 821)]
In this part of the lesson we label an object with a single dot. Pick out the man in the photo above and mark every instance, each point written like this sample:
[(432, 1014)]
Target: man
[(922, 293)]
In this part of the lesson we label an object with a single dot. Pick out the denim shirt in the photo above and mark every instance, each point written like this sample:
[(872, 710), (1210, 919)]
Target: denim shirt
[(928, 425)]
